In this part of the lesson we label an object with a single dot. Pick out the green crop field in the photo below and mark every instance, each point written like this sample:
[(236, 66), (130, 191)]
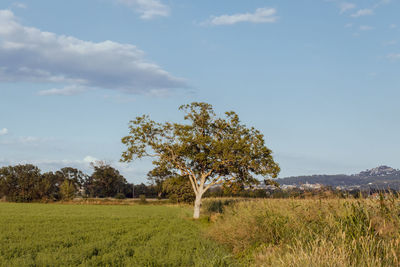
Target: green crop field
[(244, 232), (100, 235)]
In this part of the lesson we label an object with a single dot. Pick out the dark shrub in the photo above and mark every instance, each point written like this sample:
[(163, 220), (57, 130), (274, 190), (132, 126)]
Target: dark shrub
[(120, 196), (217, 206), (142, 199)]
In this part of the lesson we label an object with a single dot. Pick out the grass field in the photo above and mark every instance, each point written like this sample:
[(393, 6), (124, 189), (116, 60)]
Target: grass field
[(312, 232), (270, 232), (99, 235)]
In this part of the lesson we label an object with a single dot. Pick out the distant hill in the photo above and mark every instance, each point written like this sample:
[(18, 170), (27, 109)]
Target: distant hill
[(382, 177), (379, 171)]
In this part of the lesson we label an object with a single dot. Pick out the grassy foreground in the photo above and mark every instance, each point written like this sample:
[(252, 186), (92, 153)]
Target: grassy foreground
[(271, 232), (98, 235), (311, 232)]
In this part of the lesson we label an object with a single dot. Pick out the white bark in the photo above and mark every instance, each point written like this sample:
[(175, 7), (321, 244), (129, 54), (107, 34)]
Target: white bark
[(197, 205)]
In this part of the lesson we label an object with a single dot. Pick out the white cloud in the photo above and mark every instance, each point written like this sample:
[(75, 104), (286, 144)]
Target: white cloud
[(147, 8), (28, 140), (382, 2), (20, 5), (392, 26), (66, 91), (30, 55), (90, 159), (366, 28), (346, 7), (348, 25), (363, 12), (3, 131), (24, 140), (261, 15), (394, 56)]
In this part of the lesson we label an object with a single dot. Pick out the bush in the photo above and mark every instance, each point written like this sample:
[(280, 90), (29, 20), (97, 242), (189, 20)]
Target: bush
[(19, 199), (217, 206), (173, 198), (142, 199), (120, 196), (214, 206)]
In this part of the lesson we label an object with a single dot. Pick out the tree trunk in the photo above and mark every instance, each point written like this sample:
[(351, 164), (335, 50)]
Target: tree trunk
[(197, 206)]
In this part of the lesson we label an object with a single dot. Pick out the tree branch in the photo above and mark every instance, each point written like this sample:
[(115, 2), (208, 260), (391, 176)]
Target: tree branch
[(213, 182), (185, 170)]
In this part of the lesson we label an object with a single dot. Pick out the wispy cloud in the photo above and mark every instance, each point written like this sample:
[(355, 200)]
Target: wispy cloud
[(382, 2), (29, 140), (148, 9), (20, 5), (344, 7), (394, 56), (363, 12), (30, 55), (367, 11), (389, 43), (25, 140), (261, 15), (66, 91), (3, 131), (366, 28), (392, 26), (90, 159)]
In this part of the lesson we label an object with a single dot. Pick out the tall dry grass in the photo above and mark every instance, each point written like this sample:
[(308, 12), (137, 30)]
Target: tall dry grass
[(308, 232)]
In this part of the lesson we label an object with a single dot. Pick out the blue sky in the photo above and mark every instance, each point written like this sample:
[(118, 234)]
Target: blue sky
[(319, 78)]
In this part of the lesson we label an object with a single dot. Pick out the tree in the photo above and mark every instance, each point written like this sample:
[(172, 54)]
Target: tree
[(232, 188), (48, 186), (208, 150), (178, 189), (67, 190), (70, 181), (21, 183), (271, 182), (157, 176), (105, 181), (140, 189)]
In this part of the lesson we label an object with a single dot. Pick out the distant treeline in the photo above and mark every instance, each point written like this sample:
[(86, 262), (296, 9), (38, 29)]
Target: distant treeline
[(25, 183)]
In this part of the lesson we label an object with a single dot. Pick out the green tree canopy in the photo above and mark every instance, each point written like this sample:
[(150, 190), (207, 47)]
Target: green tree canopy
[(178, 189), (71, 180), (24, 183), (208, 150), (158, 175), (105, 181)]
